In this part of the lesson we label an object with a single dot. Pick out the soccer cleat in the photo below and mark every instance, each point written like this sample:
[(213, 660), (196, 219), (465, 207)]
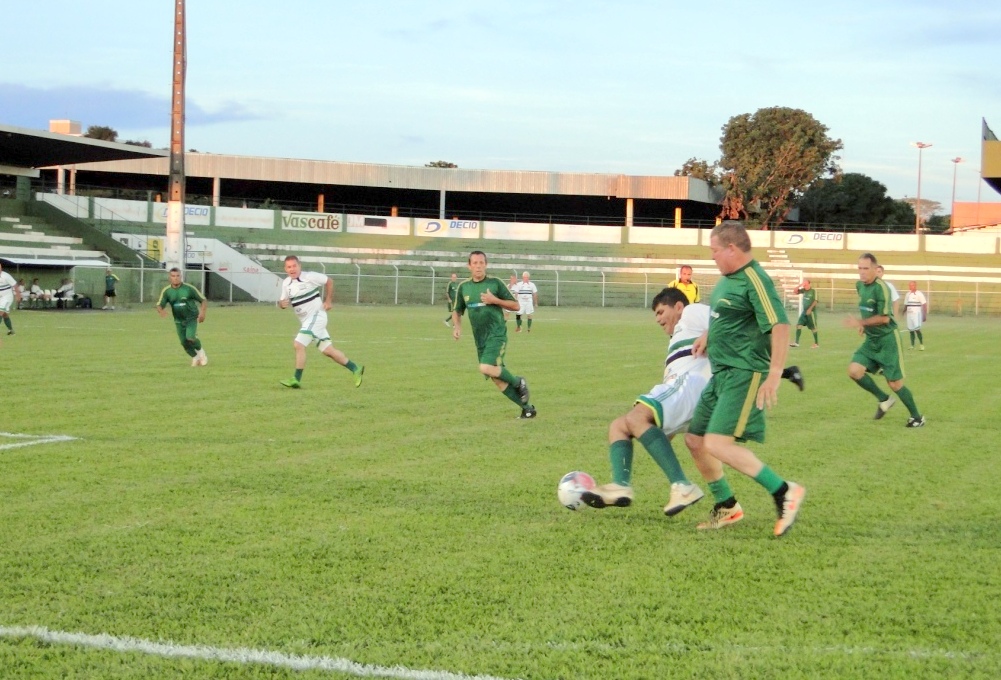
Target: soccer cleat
[(291, 382), (794, 344), (10, 332), (203, 359), (447, 323), (682, 495), (358, 373), (814, 346), (610, 495), (527, 413), (791, 503), (104, 307), (522, 389), (720, 517), (921, 348), (915, 422), (195, 360), (883, 407), (795, 376), (518, 329)]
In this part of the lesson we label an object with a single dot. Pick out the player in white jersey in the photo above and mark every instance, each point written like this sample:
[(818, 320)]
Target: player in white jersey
[(916, 311), (311, 295), (527, 295), (666, 409), (10, 296)]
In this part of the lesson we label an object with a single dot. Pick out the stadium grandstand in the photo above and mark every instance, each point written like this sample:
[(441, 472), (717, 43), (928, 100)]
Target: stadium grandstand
[(392, 234)]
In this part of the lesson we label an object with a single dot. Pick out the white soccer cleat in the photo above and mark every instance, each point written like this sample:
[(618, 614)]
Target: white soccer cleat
[(682, 495), (195, 361), (790, 508), (608, 495), (203, 359)]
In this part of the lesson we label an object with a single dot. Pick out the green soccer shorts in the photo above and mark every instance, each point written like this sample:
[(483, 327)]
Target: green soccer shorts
[(882, 353), (727, 407), (808, 320), (491, 352)]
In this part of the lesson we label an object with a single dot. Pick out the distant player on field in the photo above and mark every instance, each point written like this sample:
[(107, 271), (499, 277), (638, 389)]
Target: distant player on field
[(311, 295), (881, 348), (485, 298), (916, 311), (10, 296), (188, 307), (109, 289), (808, 318), (527, 295), (453, 285)]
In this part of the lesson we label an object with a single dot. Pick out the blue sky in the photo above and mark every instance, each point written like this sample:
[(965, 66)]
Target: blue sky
[(634, 87)]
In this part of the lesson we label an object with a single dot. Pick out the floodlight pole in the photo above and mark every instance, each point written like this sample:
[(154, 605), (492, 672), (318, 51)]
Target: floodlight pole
[(174, 246), (952, 216), (917, 205)]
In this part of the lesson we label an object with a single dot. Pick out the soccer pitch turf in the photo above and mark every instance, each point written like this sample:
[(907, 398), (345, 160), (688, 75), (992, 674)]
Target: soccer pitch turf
[(209, 523)]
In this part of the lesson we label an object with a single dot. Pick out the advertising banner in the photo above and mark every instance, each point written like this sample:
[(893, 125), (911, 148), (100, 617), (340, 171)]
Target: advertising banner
[(117, 209), (667, 236), (366, 224), (517, 231), (586, 233), (312, 221), (245, 218), (814, 240), (447, 228), (875, 243), (193, 214)]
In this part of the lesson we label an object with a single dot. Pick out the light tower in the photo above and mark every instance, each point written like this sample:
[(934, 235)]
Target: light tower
[(917, 205), (174, 247), (952, 211)]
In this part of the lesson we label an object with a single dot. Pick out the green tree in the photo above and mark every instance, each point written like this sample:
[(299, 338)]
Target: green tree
[(700, 169), (852, 198), (902, 217), (138, 142), (769, 158), (102, 132), (440, 164)]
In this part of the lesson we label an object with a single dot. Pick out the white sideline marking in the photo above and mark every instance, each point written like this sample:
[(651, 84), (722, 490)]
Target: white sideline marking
[(33, 439), (238, 655)]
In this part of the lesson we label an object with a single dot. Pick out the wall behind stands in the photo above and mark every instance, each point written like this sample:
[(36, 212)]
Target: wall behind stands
[(147, 212)]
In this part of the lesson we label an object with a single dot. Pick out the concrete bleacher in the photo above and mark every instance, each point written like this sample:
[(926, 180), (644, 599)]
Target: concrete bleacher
[(25, 240)]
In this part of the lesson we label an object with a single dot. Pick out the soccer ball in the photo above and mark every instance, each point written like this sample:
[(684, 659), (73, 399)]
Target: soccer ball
[(571, 486)]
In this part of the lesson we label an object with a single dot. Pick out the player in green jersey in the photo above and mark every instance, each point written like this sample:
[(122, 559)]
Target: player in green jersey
[(188, 306), (881, 350), (486, 298), (747, 343), (808, 318), (450, 290)]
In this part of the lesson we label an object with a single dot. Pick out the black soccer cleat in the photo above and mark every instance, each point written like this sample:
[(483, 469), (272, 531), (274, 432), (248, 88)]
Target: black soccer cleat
[(795, 376), (527, 413), (522, 389)]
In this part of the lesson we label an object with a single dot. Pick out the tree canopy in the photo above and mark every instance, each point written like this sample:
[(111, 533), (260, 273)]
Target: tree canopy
[(769, 159), (440, 164), (852, 198), (700, 169), (102, 132)]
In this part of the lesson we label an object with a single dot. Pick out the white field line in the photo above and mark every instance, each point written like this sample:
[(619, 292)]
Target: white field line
[(238, 655), (32, 439)]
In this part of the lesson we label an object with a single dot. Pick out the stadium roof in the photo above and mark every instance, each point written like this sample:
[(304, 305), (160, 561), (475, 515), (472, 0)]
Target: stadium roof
[(29, 149), (990, 159)]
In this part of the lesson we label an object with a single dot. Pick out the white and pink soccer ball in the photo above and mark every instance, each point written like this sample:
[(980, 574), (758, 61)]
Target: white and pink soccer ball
[(571, 486)]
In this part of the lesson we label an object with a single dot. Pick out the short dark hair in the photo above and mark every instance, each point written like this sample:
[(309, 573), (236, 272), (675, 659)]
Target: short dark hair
[(733, 232), (476, 252), (684, 267), (669, 297), (868, 256), (175, 269), (291, 257)]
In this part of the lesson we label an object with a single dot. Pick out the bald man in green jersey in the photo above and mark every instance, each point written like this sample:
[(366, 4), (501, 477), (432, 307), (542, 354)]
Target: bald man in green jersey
[(882, 345), (188, 307), (747, 344), (485, 298)]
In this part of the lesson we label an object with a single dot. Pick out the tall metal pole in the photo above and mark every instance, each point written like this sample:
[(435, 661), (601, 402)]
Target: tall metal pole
[(955, 166), (174, 247), (917, 205)]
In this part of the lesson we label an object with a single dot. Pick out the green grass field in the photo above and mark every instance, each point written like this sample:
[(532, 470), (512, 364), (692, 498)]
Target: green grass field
[(413, 523)]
